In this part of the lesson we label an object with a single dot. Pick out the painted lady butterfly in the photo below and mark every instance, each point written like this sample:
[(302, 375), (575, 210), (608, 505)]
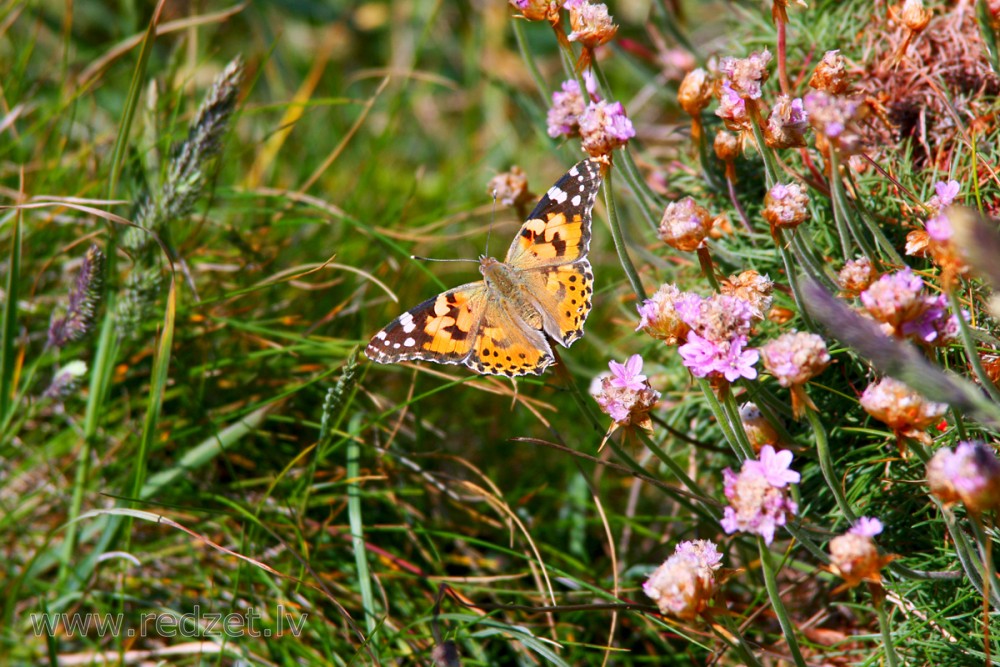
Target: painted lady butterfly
[(501, 325)]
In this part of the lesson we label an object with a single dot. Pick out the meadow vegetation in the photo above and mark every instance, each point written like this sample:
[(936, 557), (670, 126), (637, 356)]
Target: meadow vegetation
[(775, 444)]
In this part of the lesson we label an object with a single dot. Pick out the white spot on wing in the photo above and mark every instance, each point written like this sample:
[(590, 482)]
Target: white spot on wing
[(407, 321), (556, 195), (409, 342), (575, 200), (380, 335), (574, 171)]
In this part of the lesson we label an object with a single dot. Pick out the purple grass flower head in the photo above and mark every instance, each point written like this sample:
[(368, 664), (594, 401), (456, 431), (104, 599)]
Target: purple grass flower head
[(84, 300), (684, 584), (628, 375), (866, 527), (755, 504), (970, 474), (66, 380), (605, 127)]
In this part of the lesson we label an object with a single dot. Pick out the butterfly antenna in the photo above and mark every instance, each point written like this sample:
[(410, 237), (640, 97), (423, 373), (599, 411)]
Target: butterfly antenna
[(435, 259), (493, 217)]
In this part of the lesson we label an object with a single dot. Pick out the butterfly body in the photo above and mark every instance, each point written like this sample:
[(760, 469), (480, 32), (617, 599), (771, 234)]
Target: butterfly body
[(502, 324)]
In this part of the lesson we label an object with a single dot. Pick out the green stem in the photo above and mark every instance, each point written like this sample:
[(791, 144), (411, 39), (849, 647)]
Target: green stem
[(767, 567), (770, 166), (619, 239), (678, 472), (529, 59), (736, 423), (891, 660), (722, 419), (969, 343), (791, 272), (826, 465), (839, 217)]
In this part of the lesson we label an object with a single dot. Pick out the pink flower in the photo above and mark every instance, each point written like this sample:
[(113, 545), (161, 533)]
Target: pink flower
[(866, 527), (627, 375), (699, 354), (685, 583), (939, 228), (970, 474), (605, 127), (563, 117), (737, 362), (756, 505), (945, 193)]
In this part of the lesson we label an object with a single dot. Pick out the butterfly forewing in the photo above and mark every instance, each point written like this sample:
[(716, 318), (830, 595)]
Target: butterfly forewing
[(558, 230), (442, 329)]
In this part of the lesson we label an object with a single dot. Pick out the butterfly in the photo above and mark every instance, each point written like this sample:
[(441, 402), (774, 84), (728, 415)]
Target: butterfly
[(542, 291)]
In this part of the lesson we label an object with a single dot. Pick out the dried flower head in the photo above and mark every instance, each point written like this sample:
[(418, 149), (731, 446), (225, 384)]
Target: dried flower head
[(626, 395), (855, 557), (914, 16), (605, 127), (695, 92), (753, 288), (785, 206), (591, 23), (758, 495), (830, 75), (856, 276), (659, 316), (786, 124), (726, 145), (684, 584), (970, 474), (84, 300), (900, 408), (685, 225), (759, 430), (794, 359), (511, 187), (538, 10), (746, 75)]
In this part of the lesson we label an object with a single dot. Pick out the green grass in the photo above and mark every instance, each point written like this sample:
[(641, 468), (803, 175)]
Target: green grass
[(230, 450)]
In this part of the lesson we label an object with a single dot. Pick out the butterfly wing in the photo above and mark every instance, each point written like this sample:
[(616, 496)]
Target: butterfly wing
[(562, 295), (558, 230), (506, 345), (442, 329)]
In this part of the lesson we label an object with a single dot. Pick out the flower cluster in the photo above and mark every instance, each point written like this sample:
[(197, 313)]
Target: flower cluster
[(684, 584), (785, 206), (855, 557), (835, 119), (625, 394), (936, 239), (753, 288), (591, 23), (856, 276), (830, 75), (685, 225), (84, 300), (745, 76), (716, 345), (899, 303), (970, 474), (758, 495), (510, 187), (786, 124), (602, 125)]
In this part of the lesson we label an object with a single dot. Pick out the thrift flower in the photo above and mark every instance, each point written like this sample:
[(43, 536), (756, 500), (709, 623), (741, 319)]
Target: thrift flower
[(511, 187), (695, 92), (785, 206), (591, 23), (727, 147), (684, 584), (830, 75), (854, 556), (605, 127), (746, 75), (626, 395), (970, 474), (945, 193), (732, 107), (538, 10), (786, 124), (835, 119), (758, 495), (898, 301), (900, 408), (794, 359), (856, 276), (716, 345), (685, 225), (563, 118), (753, 288), (659, 316)]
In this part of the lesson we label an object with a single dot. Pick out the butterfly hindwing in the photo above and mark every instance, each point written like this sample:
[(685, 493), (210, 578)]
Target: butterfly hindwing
[(442, 329), (558, 230), (506, 345), (563, 296)]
